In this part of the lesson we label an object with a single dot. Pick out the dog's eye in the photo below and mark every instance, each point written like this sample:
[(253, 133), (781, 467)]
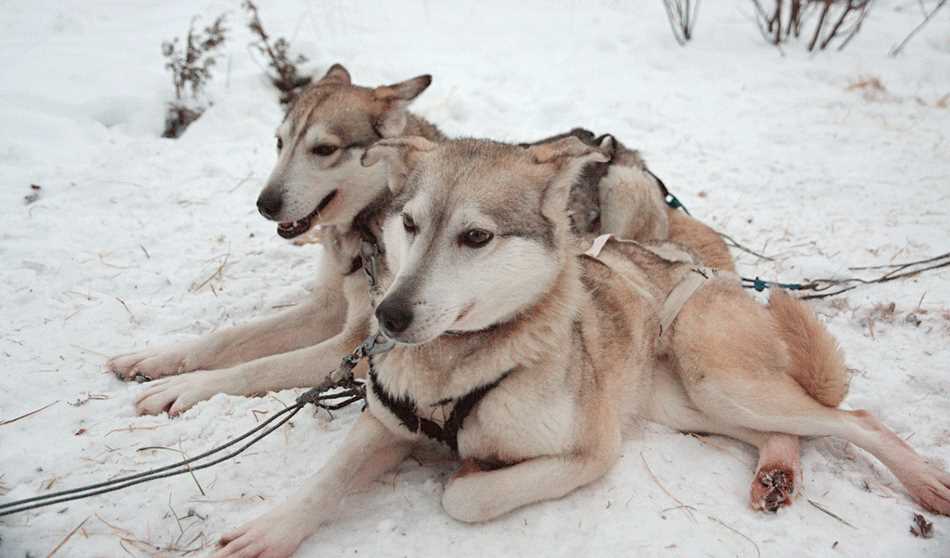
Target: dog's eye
[(409, 224), (280, 144), (476, 238), (324, 149)]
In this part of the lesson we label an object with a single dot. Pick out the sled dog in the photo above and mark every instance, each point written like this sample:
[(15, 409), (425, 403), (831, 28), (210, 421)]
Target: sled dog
[(528, 358), (318, 181)]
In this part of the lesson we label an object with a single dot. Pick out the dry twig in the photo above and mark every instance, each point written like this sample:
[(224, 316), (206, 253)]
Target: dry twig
[(682, 16), (31, 413), (191, 69), (689, 509), (740, 533), (183, 454), (735, 244), (829, 512), (218, 273), (66, 539), (285, 77), (897, 49), (837, 20)]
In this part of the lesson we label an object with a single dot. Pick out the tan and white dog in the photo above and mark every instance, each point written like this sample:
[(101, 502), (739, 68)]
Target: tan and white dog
[(531, 359), (318, 181)]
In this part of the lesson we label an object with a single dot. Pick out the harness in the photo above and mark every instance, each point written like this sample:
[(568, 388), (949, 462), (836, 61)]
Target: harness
[(406, 410), (683, 290)]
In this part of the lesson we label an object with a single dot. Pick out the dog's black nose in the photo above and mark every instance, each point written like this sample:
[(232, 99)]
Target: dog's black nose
[(394, 317), (269, 204)]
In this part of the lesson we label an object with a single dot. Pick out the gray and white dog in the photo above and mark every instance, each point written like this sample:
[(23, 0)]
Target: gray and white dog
[(529, 358)]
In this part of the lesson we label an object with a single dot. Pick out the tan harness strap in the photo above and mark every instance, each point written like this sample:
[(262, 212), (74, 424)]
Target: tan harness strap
[(681, 293), (598, 246)]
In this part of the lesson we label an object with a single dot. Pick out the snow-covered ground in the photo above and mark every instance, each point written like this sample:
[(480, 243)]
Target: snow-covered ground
[(137, 240)]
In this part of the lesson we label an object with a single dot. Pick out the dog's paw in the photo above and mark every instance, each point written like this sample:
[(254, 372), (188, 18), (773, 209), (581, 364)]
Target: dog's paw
[(152, 364), (772, 488), (929, 486), (277, 534), (178, 394), (465, 500)]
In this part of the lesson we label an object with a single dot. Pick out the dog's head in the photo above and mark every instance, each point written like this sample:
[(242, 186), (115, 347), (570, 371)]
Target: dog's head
[(318, 178), (478, 231)]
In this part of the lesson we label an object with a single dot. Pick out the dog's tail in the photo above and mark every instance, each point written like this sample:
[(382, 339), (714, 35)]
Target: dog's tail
[(815, 359)]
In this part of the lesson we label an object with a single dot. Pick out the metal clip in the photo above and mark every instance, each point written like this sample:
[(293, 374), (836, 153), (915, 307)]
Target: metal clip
[(377, 344), (370, 255)]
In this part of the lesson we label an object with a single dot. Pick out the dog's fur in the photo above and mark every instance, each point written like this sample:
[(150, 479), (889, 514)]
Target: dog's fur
[(283, 351), (286, 350), (622, 197), (572, 340)]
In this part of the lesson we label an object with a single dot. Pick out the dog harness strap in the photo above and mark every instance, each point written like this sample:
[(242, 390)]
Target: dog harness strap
[(671, 256), (404, 408), (681, 294), (682, 291), (598, 245)]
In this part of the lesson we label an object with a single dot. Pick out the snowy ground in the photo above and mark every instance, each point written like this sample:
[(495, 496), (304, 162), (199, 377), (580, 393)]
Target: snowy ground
[(117, 254)]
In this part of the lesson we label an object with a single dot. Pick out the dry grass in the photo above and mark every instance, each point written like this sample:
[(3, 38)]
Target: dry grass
[(872, 89), (128, 539), (880, 312)]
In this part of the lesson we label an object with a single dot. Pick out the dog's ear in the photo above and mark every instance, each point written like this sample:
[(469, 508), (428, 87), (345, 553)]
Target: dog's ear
[(394, 99), (337, 74), (607, 144), (566, 159), (399, 155)]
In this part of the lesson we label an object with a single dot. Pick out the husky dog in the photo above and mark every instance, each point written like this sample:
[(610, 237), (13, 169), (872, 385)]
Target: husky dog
[(529, 359), (622, 197), (318, 181)]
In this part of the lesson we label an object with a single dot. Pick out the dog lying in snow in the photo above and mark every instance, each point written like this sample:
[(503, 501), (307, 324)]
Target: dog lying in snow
[(529, 359), (318, 180)]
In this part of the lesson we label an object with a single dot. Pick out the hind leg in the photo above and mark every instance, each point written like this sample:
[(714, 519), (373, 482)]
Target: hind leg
[(777, 473), (778, 404), (778, 468)]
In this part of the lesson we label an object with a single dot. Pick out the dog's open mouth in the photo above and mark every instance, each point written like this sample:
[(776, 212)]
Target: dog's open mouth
[(296, 228)]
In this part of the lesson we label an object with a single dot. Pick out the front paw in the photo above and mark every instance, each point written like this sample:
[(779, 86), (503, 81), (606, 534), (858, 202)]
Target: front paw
[(152, 364), (275, 535), (178, 394), (464, 501)]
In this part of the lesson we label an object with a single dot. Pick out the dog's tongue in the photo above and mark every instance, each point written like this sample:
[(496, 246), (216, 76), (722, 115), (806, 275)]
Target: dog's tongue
[(294, 229)]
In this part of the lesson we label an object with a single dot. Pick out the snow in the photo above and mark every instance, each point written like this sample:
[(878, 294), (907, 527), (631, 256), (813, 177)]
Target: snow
[(776, 150)]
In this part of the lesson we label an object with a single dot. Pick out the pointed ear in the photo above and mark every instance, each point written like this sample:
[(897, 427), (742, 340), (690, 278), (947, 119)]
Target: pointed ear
[(399, 155), (571, 150), (567, 158), (394, 100), (337, 74), (608, 145)]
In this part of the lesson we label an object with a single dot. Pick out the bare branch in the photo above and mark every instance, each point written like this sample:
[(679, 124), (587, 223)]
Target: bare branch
[(897, 50), (682, 17)]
